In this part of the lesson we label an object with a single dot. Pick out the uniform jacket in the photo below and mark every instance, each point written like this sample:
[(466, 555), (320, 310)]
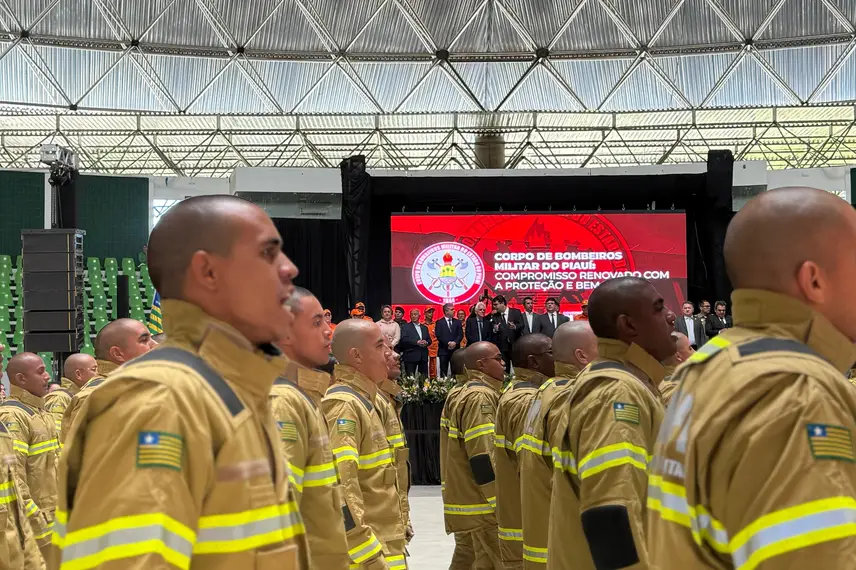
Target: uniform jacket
[(18, 549), (168, 467), (756, 454), (613, 414), (36, 447), (57, 401), (536, 465), (510, 422), (469, 498), (388, 402), (296, 403), (366, 468), (461, 381), (668, 386), (105, 369)]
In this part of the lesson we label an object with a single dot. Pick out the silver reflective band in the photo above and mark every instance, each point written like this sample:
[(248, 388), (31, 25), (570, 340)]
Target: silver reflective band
[(512, 534), (533, 554), (126, 538), (700, 522), (228, 533), (320, 475), (591, 466), (817, 524)]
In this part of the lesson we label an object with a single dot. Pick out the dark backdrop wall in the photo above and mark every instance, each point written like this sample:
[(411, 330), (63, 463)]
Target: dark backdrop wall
[(318, 249), (689, 192), (114, 211), (22, 206)]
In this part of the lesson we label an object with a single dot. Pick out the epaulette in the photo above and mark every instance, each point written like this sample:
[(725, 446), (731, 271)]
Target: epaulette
[(520, 385), (17, 404), (342, 389), (286, 382), (70, 395)]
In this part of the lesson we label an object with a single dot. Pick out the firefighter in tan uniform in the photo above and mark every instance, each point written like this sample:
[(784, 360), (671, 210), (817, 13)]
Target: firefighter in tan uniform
[(533, 365), (18, 548), (364, 459), (610, 424), (684, 352), (754, 467), (77, 371), (174, 460), (463, 556), (574, 346), (120, 341), (389, 403), (296, 403), (469, 495), (34, 440)]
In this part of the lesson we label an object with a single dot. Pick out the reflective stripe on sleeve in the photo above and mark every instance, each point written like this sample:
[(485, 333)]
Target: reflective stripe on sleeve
[(670, 501), (21, 446), (469, 510), (610, 456), (320, 475), (534, 554), (239, 532), (395, 441), (396, 562), (792, 529), (478, 431), (7, 493), (492, 501), (127, 537), (44, 447), (367, 550), (454, 433), (368, 461), (502, 443), (59, 528), (31, 507), (295, 476), (511, 534), (564, 461)]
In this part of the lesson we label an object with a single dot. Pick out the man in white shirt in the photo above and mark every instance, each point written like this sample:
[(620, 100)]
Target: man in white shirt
[(690, 326), (531, 322)]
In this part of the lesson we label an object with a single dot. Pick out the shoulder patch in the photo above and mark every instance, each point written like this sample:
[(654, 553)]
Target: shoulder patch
[(487, 409), (287, 431), (12, 426), (159, 449), (626, 412), (348, 427), (830, 442)]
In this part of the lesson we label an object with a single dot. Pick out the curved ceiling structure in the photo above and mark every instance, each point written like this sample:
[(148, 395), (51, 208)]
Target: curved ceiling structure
[(197, 87)]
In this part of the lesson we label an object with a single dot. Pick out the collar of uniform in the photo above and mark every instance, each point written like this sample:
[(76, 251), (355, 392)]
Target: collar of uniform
[(669, 369), (527, 375), (355, 379), (23, 396), (313, 382), (780, 315), (105, 367), (461, 379), (634, 355), (69, 385), (565, 370), (391, 388), (222, 347), (477, 376)]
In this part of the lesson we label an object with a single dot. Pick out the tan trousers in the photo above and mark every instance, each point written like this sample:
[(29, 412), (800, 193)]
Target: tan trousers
[(464, 557)]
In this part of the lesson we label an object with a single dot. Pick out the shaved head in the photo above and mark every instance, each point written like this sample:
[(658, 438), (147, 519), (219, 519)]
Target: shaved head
[(22, 362), (362, 345), (534, 352), (457, 361), (631, 310), (27, 371), (485, 357), (201, 223), (123, 340), (80, 368), (575, 343)]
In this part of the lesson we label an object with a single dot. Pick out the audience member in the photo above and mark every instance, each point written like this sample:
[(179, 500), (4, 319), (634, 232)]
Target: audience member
[(414, 342), (449, 333), (389, 327)]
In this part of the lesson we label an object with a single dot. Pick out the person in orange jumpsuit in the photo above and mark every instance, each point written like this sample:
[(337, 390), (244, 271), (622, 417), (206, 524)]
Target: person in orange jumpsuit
[(328, 316), (434, 346), (584, 315)]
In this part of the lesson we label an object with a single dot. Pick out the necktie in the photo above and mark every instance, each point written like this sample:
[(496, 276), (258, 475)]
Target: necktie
[(553, 319), (480, 333), (505, 317)]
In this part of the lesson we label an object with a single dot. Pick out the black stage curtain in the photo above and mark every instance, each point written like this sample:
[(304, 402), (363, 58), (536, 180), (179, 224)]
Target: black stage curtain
[(706, 219), (318, 249), (421, 424)]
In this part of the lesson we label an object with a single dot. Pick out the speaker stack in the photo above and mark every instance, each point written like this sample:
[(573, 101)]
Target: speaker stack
[(53, 290)]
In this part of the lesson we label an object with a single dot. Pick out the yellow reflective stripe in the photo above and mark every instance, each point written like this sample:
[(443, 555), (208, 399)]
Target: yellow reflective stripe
[(710, 348), (126, 537), (511, 534), (248, 530), (396, 562), (395, 440), (346, 453), (454, 432), (492, 501), (444, 422), (531, 443), (564, 461), (534, 554), (610, 456), (478, 431), (7, 493), (21, 446), (366, 550), (31, 507), (320, 475), (501, 442), (792, 529), (295, 476), (44, 447), (376, 459), (469, 510), (670, 501)]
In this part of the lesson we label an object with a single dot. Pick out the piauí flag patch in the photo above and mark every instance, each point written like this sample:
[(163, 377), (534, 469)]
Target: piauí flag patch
[(625, 412), (159, 449), (830, 442)]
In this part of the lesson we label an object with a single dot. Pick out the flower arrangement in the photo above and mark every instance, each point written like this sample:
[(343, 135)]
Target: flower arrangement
[(419, 389)]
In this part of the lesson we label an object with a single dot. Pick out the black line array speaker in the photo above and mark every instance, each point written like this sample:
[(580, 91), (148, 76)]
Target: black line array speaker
[(720, 179), (53, 290)]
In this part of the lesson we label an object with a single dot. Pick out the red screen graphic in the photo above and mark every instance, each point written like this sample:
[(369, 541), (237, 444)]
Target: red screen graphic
[(454, 258)]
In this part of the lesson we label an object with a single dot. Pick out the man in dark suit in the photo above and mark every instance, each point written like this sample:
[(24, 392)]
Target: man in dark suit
[(507, 328), (690, 326), (531, 320), (414, 342), (552, 319), (714, 324), (479, 326), (449, 333)]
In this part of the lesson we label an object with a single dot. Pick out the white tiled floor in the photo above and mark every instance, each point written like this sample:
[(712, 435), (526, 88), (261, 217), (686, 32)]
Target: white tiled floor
[(431, 548)]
